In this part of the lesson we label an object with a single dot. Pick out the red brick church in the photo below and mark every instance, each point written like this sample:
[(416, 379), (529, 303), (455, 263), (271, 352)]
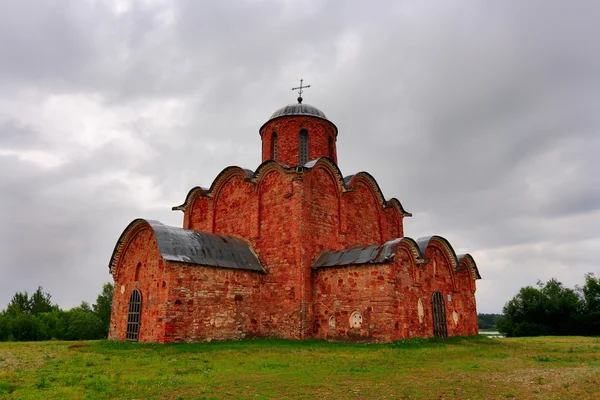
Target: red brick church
[(292, 250)]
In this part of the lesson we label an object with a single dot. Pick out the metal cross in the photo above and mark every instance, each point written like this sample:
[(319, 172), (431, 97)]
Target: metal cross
[(300, 91)]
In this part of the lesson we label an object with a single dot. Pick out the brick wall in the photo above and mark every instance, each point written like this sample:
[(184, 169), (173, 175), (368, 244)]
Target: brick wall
[(207, 303), (149, 278), (288, 129)]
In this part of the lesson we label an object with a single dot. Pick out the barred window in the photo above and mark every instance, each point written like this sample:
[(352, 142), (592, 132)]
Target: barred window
[(303, 143), (133, 317)]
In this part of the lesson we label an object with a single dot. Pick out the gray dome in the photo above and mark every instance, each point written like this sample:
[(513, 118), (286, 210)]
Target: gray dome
[(298, 109)]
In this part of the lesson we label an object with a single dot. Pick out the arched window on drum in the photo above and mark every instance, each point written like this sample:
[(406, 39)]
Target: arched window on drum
[(303, 146), (274, 146)]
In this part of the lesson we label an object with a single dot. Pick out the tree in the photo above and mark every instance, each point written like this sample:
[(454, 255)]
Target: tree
[(20, 303), (103, 306), (83, 324), (40, 302), (549, 309), (591, 298), (488, 321)]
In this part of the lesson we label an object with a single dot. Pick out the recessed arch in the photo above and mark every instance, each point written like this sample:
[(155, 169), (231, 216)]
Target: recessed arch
[(138, 269)]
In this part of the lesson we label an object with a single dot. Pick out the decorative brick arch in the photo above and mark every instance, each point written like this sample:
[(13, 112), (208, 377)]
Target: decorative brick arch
[(129, 234)]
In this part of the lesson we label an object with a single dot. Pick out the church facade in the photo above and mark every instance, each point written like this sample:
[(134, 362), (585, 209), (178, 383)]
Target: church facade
[(292, 250)]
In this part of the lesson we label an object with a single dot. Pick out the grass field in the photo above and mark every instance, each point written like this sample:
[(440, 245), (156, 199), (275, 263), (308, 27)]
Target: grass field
[(463, 368)]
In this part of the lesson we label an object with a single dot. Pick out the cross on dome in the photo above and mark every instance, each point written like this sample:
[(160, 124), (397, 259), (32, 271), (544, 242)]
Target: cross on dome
[(300, 91)]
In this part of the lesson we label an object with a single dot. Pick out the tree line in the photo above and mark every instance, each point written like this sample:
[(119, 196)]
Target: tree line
[(34, 317), (553, 309), (488, 321)]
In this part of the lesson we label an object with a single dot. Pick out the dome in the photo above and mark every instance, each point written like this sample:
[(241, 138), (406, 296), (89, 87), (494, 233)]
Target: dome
[(298, 109)]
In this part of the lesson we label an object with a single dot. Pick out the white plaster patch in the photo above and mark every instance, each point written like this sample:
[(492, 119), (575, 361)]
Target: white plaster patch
[(122, 289), (455, 317), (421, 311)]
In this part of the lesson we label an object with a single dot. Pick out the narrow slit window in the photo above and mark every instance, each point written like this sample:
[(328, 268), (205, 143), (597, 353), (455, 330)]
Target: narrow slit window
[(274, 146), (137, 271), (330, 147), (303, 144)]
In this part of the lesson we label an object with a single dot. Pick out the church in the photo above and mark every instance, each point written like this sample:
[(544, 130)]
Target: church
[(292, 250)]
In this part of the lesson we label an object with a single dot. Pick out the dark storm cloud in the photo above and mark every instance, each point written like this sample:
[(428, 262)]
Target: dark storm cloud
[(479, 116)]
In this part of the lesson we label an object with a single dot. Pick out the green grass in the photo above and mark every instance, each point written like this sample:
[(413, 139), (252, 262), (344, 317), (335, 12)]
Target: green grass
[(474, 367)]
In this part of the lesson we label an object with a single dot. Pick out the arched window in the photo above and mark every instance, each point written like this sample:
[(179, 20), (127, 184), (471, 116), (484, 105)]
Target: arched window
[(303, 144), (330, 142), (274, 146), (133, 316), (440, 327)]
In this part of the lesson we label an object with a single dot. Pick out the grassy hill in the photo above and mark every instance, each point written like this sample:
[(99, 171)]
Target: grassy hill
[(474, 367)]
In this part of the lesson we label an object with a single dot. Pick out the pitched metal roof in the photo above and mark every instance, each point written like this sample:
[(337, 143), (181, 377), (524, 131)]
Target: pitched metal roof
[(193, 247), (375, 254)]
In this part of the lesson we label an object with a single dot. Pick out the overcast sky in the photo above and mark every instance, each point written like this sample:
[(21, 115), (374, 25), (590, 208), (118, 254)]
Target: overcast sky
[(480, 117)]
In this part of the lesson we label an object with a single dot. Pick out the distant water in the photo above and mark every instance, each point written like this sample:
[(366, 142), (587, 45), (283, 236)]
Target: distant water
[(491, 334)]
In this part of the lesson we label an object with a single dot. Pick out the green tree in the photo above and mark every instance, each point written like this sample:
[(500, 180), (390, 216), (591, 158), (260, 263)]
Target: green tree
[(591, 298), (549, 309), (488, 321), (55, 323), (83, 324), (103, 306), (40, 302), (20, 303)]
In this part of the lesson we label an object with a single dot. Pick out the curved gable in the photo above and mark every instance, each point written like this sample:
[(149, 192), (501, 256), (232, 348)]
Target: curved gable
[(370, 182), (467, 261), (191, 196), (190, 247), (223, 176), (448, 251)]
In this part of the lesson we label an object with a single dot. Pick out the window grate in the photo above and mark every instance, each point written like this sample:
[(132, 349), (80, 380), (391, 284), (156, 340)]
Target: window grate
[(133, 317)]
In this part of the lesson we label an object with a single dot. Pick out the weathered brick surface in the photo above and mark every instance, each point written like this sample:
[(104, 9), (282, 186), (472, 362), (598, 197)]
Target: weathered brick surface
[(366, 289), (207, 303), (290, 216), (149, 278), (321, 133)]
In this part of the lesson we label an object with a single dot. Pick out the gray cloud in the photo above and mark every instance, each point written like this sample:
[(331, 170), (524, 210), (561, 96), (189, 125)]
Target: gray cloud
[(479, 116)]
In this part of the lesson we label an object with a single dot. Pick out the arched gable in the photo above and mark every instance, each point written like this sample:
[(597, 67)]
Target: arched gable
[(226, 175), (370, 182), (223, 176), (467, 261), (191, 196), (267, 167), (332, 169), (129, 234), (396, 205), (190, 247), (235, 207), (323, 214), (416, 258), (440, 243), (363, 211)]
